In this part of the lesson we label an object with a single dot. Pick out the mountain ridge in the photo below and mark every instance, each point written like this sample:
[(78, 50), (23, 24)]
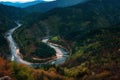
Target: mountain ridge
[(89, 31), (44, 7), (21, 5)]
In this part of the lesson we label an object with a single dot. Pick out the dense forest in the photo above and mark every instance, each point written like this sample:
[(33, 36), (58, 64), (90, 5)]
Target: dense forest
[(7, 21), (89, 31)]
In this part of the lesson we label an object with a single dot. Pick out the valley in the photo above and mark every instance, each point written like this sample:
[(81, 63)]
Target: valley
[(61, 55), (75, 41)]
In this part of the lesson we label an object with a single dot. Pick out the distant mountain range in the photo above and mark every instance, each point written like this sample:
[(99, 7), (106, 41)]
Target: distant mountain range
[(90, 31), (42, 6), (22, 5), (46, 6)]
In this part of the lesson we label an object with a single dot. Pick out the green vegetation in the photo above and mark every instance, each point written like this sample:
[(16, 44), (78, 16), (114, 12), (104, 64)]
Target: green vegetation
[(55, 39), (8, 16), (30, 44), (43, 50), (4, 47), (22, 72), (90, 31)]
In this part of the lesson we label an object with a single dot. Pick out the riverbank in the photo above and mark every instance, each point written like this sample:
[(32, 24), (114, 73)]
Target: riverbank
[(16, 55)]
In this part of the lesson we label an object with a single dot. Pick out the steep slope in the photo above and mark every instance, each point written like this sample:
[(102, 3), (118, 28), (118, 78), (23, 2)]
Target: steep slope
[(8, 16), (92, 14), (46, 6), (91, 33)]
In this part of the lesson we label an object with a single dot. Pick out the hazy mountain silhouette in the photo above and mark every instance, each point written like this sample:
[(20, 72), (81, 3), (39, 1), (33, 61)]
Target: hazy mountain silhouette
[(22, 5), (46, 6)]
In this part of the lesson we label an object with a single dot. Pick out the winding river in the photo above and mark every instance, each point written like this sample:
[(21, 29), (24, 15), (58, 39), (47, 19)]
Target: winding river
[(61, 54)]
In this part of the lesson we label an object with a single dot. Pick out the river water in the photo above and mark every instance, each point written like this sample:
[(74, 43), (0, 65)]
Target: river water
[(61, 54)]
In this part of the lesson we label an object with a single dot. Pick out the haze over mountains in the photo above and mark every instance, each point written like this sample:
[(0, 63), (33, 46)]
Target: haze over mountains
[(43, 4), (46, 6), (22, 5), (89, 32)]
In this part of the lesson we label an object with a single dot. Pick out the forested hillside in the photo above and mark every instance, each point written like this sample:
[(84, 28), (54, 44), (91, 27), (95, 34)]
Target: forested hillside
[(8, 16), (90, 32)]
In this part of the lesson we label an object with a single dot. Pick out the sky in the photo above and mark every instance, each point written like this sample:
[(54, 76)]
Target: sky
[(21, 1)]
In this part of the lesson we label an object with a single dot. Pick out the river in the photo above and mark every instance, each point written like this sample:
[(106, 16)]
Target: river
[(61, 54)]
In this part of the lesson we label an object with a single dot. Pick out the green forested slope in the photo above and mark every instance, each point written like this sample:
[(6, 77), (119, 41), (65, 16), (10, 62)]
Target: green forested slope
[(90, 31), (8, 16)]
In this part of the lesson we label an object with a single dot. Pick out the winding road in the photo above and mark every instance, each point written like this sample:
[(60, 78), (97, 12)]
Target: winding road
[(61, 54)]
